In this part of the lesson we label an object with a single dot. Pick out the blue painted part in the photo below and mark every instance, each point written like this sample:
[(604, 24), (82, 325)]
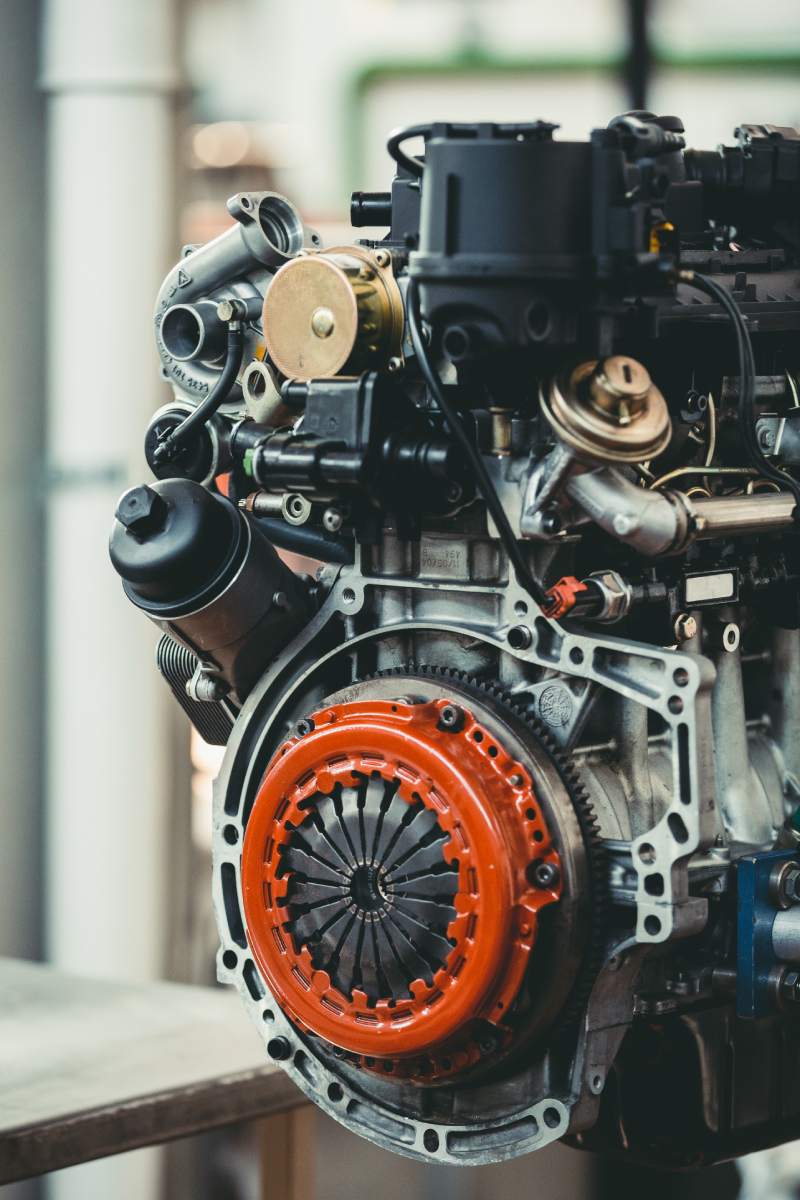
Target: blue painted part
[(755, 916)]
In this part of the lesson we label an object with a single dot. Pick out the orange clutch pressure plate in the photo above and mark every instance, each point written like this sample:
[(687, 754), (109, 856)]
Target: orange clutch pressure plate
[(394, 867)]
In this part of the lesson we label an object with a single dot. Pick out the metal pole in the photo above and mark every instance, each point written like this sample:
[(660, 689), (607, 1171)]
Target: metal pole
[(110, 73), (21, 295), (639, 57)]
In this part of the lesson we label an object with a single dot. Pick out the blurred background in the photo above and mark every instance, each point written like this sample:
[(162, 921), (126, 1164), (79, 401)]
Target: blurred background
[(125, 125)]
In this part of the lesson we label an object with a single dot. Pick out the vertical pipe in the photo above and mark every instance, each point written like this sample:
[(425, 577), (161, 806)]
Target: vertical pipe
[(785, 696), (639, 56), (21, 408), (110, 74), (740, 794), (21, 383)]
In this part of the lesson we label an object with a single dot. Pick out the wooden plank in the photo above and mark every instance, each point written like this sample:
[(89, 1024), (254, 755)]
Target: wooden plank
[(287, 1155), (91, 1067)]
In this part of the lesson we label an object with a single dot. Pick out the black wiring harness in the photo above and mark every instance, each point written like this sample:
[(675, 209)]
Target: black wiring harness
[(471, 453), (747, 382)]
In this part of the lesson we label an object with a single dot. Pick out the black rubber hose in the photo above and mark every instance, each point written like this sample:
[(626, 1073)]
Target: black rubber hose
[(746, 409), (471, 453), (311, 542), (393, 146), (217, 396)]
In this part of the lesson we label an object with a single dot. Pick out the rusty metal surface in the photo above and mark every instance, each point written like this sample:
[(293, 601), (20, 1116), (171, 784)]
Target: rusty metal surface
[(92, 1067)]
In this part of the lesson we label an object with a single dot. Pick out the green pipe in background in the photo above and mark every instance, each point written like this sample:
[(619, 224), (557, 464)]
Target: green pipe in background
[(474, 62)]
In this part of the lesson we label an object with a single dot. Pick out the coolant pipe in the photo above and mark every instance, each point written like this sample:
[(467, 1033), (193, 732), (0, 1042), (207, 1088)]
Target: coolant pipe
[(654, 522), (311, 542)]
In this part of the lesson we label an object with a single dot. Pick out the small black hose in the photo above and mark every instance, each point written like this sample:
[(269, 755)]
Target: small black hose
[(747, 383), (217, 396), (471, 453), (311, 542), (413, 165)]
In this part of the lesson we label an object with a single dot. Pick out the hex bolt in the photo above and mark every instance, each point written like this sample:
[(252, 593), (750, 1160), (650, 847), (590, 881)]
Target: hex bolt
[(304, 727), (451, 718), (546, 875), (231, 310), (685, 627), (784, 884), (789, 987), (141, 510)]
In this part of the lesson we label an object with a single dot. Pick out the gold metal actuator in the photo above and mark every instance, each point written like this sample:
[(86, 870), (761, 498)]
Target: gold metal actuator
[(334, 312)]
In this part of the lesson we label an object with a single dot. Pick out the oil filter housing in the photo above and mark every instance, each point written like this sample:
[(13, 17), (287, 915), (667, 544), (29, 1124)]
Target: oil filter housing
[(207, 575)]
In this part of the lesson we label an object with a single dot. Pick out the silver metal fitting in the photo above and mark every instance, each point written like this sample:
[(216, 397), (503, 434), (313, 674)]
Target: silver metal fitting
[(685, 627), (616, 595)]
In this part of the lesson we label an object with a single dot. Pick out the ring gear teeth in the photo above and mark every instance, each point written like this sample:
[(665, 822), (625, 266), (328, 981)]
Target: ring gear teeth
[(596, 857)]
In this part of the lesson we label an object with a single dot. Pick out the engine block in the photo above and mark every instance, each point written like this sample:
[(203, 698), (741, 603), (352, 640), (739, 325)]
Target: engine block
[(506, 832)]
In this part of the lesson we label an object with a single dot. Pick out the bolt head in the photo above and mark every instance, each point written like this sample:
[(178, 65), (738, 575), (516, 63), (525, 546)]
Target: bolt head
[(141, 510), (451, 718), (322, 322), (383, 258), (550, 523), (545, 875), (304, 727), (685, 627)]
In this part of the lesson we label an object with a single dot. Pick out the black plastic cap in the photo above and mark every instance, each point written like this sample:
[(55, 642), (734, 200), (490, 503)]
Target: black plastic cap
[(172, 540)]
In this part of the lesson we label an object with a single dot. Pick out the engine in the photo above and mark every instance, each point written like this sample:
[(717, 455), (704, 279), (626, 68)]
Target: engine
[(506, 832)]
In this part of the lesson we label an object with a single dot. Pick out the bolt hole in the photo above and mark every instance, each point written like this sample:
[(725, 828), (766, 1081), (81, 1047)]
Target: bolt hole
[(652, 925), (520, 608), (530, 813), (231, 834), (681, 677), (493, 751), (647, 853), (335, 1092), (430, 1140), (576, 655), (654, 884), (268, 1015), (597, 1083), (230, 959), (477, 736), (519, 637), (457, 343), (348, 595), (675, 704), (551, 1118)]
